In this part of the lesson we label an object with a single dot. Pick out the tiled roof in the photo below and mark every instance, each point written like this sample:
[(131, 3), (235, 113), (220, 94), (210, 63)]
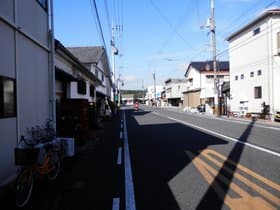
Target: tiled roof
[(208, 65), (87, 54), (202, 66)]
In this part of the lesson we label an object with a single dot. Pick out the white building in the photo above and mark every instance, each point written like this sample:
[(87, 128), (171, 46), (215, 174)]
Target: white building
[(254, 64), (26, 75), (152, 93), (96, 60), (200, 82), (71, 74), (174, 89)]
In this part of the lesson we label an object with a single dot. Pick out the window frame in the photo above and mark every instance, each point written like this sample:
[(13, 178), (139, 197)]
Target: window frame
[(82, 87), (91, 90), (2, 107), (258, 92), (256, 31)]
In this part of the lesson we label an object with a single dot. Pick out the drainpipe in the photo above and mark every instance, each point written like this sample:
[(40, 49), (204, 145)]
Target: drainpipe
[(52, 104), (16, 74)]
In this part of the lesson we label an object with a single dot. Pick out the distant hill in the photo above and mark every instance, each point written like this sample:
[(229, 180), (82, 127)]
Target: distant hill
[(136, 93)]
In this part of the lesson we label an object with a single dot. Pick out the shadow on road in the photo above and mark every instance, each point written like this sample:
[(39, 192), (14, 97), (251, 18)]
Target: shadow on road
[(235, 155), (158, 155)]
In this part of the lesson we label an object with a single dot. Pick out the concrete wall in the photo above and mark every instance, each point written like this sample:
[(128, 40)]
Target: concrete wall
[(248, 54), (176, 90), (23, 57)]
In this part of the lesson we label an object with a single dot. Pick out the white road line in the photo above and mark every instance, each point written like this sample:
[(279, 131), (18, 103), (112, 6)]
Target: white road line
[(121, 135), (222, 136), (119, 161), (238, 121), (116, 204), (121, 125), (129, 187)]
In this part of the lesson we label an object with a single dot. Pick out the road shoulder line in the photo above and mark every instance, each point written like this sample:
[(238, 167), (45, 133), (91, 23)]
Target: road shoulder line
[(129, 187), (221, 135)]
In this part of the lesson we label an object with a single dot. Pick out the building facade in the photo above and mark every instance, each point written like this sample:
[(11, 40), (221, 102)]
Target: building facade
[(26, 75), (174, 89), (254, 64), (96, 60), (200, 82)]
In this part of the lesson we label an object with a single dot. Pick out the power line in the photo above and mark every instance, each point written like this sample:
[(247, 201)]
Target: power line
[(108, 17), (229, 26), (169, 23), (99, 27)]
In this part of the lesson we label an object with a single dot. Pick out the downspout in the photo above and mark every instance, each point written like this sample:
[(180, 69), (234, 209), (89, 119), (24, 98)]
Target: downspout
[(16, 74), (52, 104)]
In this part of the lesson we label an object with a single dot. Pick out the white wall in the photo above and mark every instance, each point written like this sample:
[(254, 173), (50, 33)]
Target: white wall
[(250, 53), (27, 62), (176, 90)]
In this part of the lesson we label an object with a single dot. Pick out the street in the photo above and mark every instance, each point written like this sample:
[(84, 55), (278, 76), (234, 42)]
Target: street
[(163, 159)]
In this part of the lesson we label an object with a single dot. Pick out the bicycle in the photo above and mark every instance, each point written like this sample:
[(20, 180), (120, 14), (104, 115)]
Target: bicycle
[(36, 161)]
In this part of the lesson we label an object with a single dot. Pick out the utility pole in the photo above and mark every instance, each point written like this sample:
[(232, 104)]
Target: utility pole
[(155, 93), (143, 91), (114, 52), (214, 54)]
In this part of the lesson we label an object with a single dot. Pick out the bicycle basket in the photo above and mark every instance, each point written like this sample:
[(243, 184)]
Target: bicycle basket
[(26, 156)]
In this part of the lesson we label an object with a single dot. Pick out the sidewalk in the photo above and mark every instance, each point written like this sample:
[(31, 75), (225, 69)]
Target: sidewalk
[(87, 180)]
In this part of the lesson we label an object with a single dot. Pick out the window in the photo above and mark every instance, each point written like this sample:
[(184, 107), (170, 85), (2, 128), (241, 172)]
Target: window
[(96, 73), (102, 77), (242, 76), (7, 97), (190, 81), (82, 87), (251, 74), (209, 79), (258, 92), (236, 77), (43, 3), (256, 31), (259, 72), (91, 90)]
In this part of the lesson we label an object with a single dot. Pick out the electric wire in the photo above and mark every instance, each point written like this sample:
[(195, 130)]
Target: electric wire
[(170, 24), (99, 27)]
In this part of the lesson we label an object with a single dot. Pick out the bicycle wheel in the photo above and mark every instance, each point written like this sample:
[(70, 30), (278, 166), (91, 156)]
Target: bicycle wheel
[(55, 165), (24, 187)]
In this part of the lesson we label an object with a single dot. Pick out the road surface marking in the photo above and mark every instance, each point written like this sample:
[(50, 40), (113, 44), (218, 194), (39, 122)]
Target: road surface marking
[(116, 204), (129, 187), (119, 161), (121, 135), (222, 136), (245, 200), (121, 125), (238, 121)]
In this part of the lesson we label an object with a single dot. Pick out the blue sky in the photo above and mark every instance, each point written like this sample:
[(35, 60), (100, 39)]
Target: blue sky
[(160, 36)]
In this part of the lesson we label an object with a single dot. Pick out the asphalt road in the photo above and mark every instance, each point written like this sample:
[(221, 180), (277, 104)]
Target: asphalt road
[(160, 159), (175, 165)]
